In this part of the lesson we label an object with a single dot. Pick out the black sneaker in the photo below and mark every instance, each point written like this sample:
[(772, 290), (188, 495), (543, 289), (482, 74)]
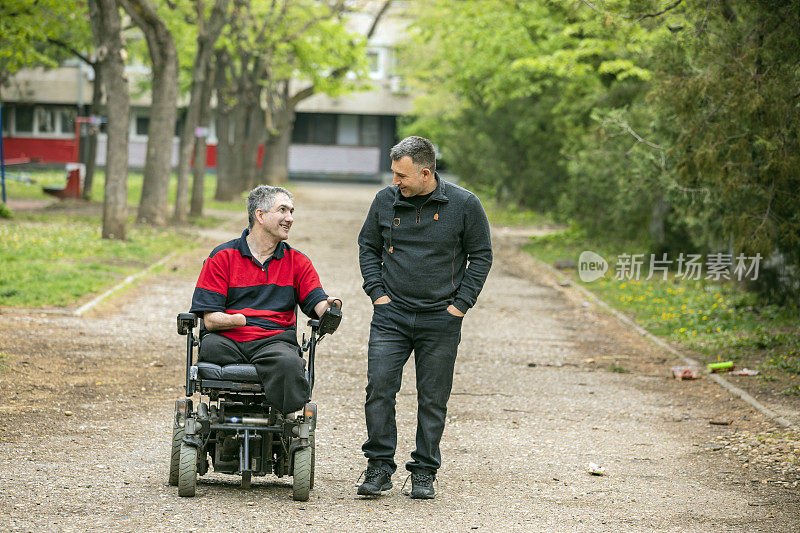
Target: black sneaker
[(375, 480), (422, 486)]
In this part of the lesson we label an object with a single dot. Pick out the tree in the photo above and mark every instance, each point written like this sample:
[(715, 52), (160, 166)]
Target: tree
[(163, 109), (271, 49), (209, 27), (25, 26), (198, 177), (107, 29), (728, 85), (304, 63)]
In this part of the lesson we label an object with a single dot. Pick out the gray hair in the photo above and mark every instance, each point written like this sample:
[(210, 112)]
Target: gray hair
[(262, 197), (419, 149)]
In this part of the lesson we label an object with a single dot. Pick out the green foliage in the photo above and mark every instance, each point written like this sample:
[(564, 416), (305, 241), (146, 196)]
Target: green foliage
[(26, 26), (730, 87), (301, 40), (5, 211), (675, 126)]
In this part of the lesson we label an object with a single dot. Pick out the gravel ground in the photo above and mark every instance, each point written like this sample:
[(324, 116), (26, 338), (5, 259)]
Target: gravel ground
[(86, 405)]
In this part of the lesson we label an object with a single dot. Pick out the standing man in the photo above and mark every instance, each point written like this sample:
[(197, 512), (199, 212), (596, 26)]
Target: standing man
[(247, 293), (424, 251)]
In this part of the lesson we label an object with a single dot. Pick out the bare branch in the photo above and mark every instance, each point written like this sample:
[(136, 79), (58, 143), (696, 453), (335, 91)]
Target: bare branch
[(382, 11), (72, 50), (635, 18), (766, 214), (654, 15)]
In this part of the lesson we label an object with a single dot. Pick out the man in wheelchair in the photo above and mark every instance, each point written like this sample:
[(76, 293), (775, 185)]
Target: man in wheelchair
[(247, 294)]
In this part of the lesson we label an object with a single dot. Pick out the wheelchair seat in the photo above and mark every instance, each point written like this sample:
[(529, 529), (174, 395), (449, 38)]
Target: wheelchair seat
[(241, 373)]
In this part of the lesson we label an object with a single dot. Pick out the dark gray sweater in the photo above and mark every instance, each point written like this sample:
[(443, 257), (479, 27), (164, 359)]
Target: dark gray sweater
[(428, 258)]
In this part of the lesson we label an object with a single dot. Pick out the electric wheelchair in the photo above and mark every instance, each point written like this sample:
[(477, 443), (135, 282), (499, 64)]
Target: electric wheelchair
[(235, 427)]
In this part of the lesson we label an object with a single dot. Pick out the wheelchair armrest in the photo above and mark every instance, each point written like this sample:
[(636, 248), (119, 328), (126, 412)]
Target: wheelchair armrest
[(330, 320), (186, 323)]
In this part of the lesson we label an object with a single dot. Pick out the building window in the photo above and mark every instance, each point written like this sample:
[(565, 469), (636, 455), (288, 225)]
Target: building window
[(67, 116), (370, 130), (40, 120), (142, 125), (301, 133), (324, 131), (347, 130), (373, 62), (6, 126), (340, 130), (23, 119), (45, 120)]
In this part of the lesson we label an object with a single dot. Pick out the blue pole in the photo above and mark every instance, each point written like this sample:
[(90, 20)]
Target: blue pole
[(2, 157)]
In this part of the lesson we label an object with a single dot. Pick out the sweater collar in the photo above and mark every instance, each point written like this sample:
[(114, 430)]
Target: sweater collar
[(437, 195)]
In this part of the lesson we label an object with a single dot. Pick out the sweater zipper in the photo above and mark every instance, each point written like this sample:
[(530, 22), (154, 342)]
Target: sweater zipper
[(419, 211)]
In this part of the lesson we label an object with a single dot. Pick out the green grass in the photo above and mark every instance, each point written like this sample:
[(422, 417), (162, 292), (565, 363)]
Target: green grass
[(501, 214), (719, 320), (17, 190), (59, 258), (55, 257), (512, 215), (57, 261)]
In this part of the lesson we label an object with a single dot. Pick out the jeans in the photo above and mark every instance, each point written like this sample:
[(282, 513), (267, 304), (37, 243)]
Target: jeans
[(278, 364), (433, 336)]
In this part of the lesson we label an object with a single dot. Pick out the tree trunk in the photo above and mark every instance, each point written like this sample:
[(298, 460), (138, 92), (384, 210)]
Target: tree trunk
[(107, 28), (91, 151), (163, 110), (207, 34), (238, 147), (224, 192), (199, 171), (222, 118), (275, 168), (255, 135)]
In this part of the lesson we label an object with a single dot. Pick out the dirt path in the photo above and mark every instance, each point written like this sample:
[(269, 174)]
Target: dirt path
[(533, 403)]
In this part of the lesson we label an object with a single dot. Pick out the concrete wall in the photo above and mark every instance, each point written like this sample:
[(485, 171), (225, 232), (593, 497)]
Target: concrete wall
[(316, 159)]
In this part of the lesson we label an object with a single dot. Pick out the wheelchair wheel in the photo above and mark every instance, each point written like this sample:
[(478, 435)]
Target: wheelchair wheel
[(187, 475), (301, 484), (175, 458), (313, 456)]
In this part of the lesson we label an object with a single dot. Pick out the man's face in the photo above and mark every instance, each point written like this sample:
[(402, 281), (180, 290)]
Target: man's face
[(277, 221), (409, 178)]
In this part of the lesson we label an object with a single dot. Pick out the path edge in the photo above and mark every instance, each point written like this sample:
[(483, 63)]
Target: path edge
[(124, 283)]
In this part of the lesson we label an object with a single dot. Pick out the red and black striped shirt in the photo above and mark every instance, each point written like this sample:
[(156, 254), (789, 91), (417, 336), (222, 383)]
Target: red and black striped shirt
[(233, 281)]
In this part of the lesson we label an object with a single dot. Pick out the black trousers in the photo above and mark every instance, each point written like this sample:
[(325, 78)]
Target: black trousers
[(278, 363), (433, 336)]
